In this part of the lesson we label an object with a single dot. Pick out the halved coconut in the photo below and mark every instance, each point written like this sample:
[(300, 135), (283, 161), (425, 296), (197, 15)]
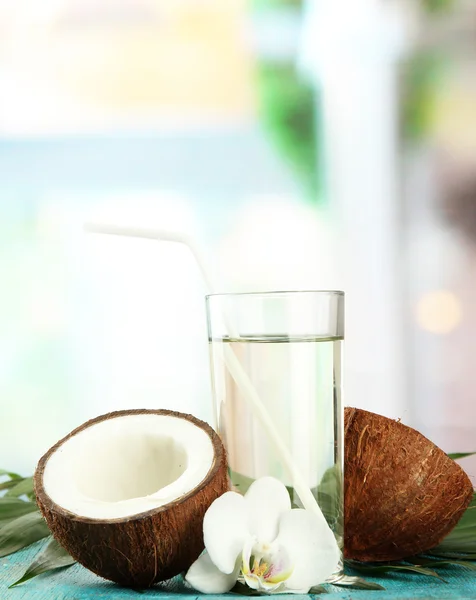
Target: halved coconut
[(126, 493), (402, 494)]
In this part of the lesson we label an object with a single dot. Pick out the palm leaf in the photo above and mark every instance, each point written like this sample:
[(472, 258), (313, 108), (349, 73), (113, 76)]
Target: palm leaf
[(22, 532), (357, 583), (10, 474), (317, 589), (22, 488), (436, 563), (243, 590), (376, 569), (470, 556), (11, 508), (51, 557), (457, 455), (5, 485), (462, 540)]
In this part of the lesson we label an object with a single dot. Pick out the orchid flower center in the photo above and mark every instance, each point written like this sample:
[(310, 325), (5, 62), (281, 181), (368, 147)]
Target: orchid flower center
[(265, 566)]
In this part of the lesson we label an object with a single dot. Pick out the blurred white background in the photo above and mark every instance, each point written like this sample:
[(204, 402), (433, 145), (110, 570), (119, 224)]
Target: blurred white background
[(303, 145)]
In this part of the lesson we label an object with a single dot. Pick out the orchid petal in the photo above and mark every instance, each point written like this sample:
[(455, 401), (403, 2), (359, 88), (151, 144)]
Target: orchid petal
[(281, 566), (204, 576), (257, 583), (225, 530), (266, 500), (312, 548), (246, 554)]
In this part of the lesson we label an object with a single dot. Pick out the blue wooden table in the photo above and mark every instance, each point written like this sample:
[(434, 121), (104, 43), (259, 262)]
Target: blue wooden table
[(76, 583)]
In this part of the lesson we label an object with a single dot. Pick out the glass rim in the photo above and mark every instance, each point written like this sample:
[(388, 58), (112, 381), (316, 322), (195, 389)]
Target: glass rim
[(276, 293)]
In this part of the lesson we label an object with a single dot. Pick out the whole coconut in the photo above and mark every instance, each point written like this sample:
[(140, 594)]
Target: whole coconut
[(402, 494)]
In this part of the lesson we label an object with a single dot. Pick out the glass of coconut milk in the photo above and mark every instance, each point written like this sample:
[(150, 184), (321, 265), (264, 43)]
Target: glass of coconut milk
[(289, 348)]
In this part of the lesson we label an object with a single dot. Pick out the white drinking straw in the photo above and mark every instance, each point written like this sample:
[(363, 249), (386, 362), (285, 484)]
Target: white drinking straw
[(233, 364)]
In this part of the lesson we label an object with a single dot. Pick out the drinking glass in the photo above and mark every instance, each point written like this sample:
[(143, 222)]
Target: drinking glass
[(289, 349)]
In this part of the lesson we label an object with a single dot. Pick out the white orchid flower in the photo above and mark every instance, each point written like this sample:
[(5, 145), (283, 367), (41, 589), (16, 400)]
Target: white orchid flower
[(258, 539)]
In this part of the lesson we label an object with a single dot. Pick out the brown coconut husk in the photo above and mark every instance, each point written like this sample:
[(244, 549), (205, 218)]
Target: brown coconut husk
[(402, 494), (143, 549)]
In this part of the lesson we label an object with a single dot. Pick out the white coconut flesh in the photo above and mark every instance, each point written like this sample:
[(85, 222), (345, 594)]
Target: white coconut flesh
[(128, 465)]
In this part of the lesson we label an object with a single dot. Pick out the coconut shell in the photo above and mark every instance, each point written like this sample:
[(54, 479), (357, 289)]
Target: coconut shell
[(402, 494), (143, 549)]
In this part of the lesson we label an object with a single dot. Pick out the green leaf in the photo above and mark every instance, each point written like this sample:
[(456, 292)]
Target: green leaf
[(458, 555), (5, 485), (456, 548), (317, 589), (243, 590), (329, 498), (11, 508), (10, 474), (436, 563), (372, 568), (357, 583), (23, 488), (462, 540), (52, 556), (22, 532), (438, 6), (240, 482), (457, 455)]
